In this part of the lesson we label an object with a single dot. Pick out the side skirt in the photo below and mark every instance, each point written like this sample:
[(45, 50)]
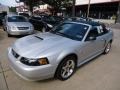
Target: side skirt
[(89, 59)]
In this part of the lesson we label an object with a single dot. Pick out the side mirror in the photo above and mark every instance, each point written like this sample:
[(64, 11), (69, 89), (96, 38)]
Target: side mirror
[(92, 38)]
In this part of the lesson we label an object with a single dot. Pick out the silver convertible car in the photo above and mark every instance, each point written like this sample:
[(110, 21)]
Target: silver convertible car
[(59, 52)]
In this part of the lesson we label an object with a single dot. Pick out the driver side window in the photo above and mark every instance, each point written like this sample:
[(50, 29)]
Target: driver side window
[(92, 33)]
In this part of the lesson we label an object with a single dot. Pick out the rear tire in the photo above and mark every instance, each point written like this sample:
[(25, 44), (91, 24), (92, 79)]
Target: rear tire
[(107, 48), (66, 68)]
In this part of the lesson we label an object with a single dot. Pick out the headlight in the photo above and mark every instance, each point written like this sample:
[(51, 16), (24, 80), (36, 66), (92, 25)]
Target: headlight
[(34, 62), (12, 27), (49, 25)]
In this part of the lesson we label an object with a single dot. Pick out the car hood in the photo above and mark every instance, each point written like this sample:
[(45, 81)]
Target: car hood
[(32, 46), (20, 24)]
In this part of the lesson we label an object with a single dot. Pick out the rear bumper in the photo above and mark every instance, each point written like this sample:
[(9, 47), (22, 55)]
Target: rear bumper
[(32, 73)]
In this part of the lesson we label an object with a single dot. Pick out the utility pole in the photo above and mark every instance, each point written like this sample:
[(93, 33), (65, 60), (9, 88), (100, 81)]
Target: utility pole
[(73, 8), (30, 6), (88, 10), (118, 14)]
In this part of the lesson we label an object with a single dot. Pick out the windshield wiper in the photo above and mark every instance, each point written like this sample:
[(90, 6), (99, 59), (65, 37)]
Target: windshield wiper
[(39, 37)]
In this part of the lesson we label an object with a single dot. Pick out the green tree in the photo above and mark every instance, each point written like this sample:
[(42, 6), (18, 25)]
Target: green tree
[(30, 3), (58, 5), (12, 9)]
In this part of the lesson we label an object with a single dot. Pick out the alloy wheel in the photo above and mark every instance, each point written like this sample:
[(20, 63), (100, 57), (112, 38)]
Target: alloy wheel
[(68, 69)]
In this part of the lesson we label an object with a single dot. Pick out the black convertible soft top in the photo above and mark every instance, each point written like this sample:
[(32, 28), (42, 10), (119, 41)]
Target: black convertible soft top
[(92, 23)]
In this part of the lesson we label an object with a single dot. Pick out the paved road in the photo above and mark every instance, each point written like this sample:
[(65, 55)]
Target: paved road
[(102, 73), (117, 25)]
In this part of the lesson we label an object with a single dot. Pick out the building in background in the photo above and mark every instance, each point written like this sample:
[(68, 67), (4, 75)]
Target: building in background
[(21, 8), (4, 8), (42, 9), (100, 9)]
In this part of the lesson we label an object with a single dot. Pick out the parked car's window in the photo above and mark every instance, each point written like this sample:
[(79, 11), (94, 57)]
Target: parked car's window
[(57, 18), (48, 18), (93, 33), (16, 19), (70, 30), (24, 14), (36, 18), (52, 18), (102, 30), (105, 30), (45, 18)]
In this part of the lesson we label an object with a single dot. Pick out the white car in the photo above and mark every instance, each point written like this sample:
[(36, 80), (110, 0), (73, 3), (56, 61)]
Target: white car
[(17, 25)]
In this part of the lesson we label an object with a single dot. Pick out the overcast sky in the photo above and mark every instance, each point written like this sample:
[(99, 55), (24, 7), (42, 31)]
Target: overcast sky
[(8, 2)]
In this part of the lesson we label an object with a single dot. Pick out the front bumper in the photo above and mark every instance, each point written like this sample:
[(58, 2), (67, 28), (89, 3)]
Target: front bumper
[(32, 73), (20, 32)]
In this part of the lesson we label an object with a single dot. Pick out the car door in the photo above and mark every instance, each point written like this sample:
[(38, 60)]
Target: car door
[(92, 48), (101, 38)]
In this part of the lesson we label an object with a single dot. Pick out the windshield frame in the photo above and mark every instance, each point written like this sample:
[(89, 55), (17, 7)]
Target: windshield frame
[(62, 34)]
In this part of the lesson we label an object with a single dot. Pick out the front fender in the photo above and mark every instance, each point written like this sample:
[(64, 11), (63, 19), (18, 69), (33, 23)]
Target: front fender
[(65, 54)]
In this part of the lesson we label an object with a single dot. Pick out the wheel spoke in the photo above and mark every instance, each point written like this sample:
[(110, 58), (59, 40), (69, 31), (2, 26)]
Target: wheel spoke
[(68, 63), (108, 48), (64, 68), (71, 65), (64, 73), (69, 71)]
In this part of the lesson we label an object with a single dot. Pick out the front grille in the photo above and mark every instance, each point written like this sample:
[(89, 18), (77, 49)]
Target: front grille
[(15, 54), (23, 28)]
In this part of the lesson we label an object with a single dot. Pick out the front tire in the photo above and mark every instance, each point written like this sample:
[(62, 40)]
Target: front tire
[(66, 68), (4, 28), (9, 35)]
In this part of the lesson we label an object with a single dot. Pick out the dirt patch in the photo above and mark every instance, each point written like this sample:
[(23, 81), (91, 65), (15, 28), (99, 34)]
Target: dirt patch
[(2, 34)]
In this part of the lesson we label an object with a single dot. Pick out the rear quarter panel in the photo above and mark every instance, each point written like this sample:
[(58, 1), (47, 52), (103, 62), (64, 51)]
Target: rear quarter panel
[(109, 36)]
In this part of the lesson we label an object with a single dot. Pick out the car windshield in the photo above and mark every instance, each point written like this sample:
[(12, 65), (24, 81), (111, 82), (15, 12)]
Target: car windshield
[(16, 19), (71, 30)]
